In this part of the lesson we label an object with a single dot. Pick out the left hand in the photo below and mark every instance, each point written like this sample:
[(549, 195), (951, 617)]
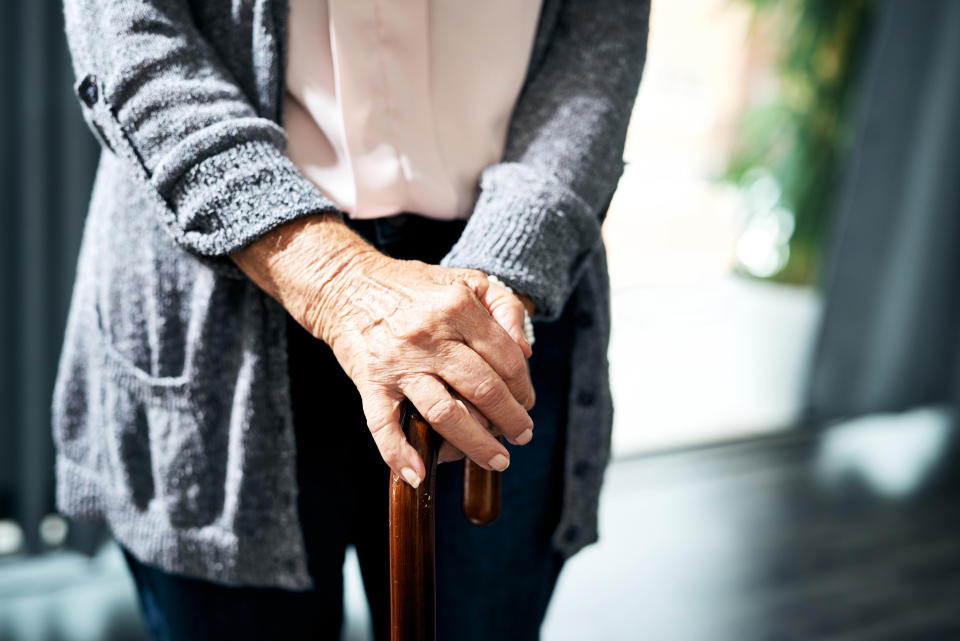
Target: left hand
[(502, 305)]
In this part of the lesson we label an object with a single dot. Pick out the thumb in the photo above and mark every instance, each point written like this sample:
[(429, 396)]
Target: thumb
[(383, 420)]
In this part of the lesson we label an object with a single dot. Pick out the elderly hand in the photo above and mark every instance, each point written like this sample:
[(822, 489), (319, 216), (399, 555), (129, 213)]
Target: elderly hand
[(405, 329)]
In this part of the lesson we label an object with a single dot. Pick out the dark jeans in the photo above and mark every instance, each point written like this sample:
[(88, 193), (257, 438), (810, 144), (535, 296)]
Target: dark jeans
[(494, 582)]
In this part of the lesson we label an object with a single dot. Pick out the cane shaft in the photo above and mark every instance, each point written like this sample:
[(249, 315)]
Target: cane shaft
[(413, 598), (481, 493)]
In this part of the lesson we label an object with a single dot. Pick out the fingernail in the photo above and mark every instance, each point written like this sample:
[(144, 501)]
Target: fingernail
[(525, 437), (499, 462), (410, 476)]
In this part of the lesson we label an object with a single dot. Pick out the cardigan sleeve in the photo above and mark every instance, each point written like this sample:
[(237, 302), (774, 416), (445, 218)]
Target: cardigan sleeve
[(156, 94), (537, 217)]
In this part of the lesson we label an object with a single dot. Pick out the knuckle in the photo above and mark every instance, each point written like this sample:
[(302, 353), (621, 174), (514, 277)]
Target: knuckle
[(516, 368), (377, 426), (468, 274), (524, 422), (441, 412), (488, 391), (381, 434), (474, 276), (389, 447), (459, 299), (416, 333)]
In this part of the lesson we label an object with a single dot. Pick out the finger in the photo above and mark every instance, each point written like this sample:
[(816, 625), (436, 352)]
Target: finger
[(382, 411), (473, 378), (496, 347), (450, 418), (474, 412), (448, 453), (524, 437), (507, 309), (480, 331)]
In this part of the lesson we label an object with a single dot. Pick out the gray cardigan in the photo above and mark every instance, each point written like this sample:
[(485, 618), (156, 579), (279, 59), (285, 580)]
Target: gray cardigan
[(172, 414)]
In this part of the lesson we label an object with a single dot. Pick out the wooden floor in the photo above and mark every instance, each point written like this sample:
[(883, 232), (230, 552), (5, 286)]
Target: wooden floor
[(762, 540)]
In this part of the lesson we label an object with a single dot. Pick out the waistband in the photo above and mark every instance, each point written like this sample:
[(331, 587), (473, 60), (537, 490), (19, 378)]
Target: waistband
[(382, 232)]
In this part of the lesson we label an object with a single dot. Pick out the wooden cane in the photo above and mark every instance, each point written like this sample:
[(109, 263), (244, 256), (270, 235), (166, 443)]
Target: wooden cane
[(481, 493), (413, 596)]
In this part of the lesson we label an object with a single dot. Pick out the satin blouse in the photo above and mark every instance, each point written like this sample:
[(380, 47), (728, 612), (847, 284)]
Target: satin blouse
[(398, 105)]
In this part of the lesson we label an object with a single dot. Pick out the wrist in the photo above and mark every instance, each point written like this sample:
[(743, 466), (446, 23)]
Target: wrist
[(303, 263), (269, 259), (338, 290)]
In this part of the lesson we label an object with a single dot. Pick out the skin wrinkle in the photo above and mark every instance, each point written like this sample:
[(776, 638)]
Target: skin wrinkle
[(394, 298), (447, 355), (402, 328)]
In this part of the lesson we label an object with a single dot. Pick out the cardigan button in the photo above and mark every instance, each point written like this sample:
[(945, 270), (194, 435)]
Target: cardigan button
[(585, 398), (584, 320), (88, 91), (581, 469), (571, 533)]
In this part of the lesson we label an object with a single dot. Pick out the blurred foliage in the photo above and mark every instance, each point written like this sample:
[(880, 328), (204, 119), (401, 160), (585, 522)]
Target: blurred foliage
[(800, 134)]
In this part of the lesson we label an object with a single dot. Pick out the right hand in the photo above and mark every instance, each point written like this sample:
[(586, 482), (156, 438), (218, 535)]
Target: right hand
[(403, 329)]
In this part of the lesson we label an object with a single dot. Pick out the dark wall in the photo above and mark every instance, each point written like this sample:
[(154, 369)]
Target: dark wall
[(890, 338), (47, 164)]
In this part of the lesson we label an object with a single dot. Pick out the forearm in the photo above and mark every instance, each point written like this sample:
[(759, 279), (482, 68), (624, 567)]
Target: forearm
[(320, 250), (317, 251)]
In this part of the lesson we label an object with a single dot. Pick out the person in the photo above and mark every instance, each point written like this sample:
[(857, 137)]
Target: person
[(305, 214)]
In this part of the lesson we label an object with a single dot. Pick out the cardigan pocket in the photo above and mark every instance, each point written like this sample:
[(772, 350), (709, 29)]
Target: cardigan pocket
[(158, 450), (168, 454), (171, 334)]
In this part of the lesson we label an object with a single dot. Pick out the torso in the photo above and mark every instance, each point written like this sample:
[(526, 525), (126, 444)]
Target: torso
[(396, 107)]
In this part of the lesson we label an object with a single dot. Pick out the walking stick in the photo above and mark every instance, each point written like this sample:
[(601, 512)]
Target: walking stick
[(413, 594)]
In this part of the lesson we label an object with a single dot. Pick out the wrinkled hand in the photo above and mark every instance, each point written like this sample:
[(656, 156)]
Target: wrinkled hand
[(405, 329), (509, 315)]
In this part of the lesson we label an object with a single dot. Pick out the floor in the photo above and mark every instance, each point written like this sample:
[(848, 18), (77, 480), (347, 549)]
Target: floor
[(846, 534), (852, 534)]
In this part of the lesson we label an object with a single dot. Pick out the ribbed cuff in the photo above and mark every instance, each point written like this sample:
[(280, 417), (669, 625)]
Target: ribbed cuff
[(235, 191), (530, 231)]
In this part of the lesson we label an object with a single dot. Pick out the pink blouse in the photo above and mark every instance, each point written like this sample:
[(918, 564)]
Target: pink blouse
[(398, 105)]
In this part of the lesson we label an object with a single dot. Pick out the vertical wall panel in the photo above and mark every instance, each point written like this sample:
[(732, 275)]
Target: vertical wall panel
[(890, 338), (46, 172)]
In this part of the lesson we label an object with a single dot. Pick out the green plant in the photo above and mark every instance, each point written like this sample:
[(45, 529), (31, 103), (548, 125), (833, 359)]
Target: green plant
[(800, 134)]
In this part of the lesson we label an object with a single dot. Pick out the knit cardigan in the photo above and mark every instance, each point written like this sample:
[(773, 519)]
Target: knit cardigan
[(171, 411)]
